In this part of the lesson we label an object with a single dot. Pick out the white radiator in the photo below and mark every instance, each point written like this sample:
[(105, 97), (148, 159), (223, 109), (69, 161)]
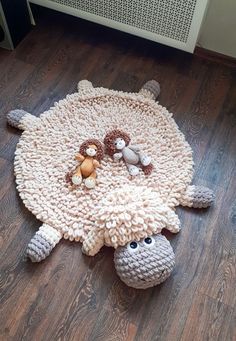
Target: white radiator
[(171, 22)]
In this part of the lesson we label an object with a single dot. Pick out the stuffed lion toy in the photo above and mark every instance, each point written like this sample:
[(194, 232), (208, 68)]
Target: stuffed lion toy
[(89, 157), (118, 146)]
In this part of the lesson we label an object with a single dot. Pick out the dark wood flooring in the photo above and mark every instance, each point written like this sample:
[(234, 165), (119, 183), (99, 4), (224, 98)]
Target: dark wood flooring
[(71, 296)]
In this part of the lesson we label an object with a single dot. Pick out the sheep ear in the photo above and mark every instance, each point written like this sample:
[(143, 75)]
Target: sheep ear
[(84, 85), (173, 222), (150, 89), (93, 243)]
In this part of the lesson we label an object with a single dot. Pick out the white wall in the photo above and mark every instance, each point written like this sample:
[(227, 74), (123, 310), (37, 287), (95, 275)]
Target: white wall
[(218, 32)]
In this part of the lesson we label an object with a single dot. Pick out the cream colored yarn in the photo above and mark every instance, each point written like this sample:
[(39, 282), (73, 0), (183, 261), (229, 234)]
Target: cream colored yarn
[(128, 213), (46, 150)]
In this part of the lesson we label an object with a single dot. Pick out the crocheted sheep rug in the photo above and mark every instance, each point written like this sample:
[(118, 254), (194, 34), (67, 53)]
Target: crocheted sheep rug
[(128, 208)]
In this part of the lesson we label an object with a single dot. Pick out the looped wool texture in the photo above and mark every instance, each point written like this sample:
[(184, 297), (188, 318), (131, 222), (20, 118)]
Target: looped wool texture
[(45, 154), (129, 213)]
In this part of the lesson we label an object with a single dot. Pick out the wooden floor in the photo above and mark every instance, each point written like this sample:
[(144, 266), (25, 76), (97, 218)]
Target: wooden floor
[(71, 296)]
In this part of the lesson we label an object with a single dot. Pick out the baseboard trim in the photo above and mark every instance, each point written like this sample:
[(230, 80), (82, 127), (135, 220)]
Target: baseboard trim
[(215, 56)]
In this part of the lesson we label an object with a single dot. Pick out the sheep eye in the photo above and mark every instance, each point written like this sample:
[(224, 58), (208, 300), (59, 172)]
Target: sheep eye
[(133, 246), (149, 241)]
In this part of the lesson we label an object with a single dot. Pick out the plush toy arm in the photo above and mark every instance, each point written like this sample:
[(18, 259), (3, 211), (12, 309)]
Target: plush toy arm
[(79, 157), (96, 163), (197, 197), (93, 243), (42, 243), (135, 148), (21, 119), (117, 156)]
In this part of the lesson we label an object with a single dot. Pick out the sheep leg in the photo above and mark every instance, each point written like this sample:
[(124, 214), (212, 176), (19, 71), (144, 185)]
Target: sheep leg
[(150, 89), (42, 243), (197, 197), (21, 119)]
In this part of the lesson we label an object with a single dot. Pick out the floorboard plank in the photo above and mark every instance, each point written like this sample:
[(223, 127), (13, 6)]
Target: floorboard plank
[(207, 320)]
